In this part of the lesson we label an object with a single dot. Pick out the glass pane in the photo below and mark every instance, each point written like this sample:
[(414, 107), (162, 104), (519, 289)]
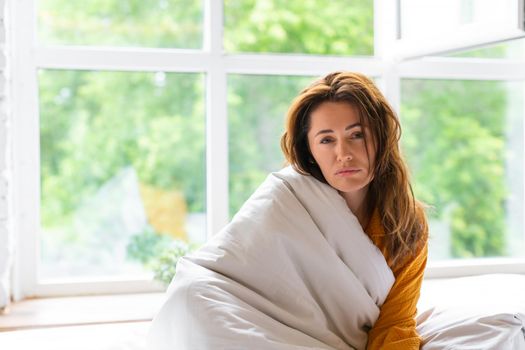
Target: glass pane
[(464, 143), (256, 117), (158, 23), (122, 170), (424, 19), (299, 26), (514, 49)]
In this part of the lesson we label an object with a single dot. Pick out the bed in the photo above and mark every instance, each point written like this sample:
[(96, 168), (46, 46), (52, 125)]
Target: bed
[(479, 312)]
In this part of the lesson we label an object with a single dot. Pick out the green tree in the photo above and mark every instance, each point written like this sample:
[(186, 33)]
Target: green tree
[(256, 118), (456, 150), (300, 26), (95, 123), (154, 23)]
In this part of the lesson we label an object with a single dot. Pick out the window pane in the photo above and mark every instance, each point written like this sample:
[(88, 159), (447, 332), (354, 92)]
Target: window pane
[(122, 169), (424, 19), (514, 49), (464, 143), (256, 117), (158, 23), (299, 26)]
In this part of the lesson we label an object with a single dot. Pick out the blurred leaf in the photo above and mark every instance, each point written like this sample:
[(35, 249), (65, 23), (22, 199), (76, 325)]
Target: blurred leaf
[(164, 265)]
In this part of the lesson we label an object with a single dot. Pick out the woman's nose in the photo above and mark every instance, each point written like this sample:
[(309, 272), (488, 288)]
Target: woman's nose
[(344, 152)]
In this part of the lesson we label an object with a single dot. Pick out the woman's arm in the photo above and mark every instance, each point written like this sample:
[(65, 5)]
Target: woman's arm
[(396, 326)]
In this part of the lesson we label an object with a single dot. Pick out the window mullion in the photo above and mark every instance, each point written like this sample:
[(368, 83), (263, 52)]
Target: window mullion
[(279, 64), (26, 168), (119, 59), (386, 28), (390, 84), (217, 196)]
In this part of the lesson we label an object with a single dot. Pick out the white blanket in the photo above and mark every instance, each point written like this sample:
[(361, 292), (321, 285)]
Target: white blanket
[(293, 270)]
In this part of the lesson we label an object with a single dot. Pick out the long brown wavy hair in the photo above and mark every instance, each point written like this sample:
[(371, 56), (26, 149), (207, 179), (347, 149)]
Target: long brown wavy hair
[(402, 216)]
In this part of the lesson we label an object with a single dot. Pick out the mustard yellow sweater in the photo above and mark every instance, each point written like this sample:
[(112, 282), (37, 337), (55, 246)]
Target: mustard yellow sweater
[(395, 329)]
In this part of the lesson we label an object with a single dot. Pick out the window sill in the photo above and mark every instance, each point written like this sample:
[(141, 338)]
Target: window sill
[(470, 267), (79, 311)]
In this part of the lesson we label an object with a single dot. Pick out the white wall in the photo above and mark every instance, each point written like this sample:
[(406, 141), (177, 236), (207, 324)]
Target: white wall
[(5, 234)]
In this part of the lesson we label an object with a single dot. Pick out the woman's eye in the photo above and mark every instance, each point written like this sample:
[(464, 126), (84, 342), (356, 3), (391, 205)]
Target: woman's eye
[(357, 135), (326, 140)]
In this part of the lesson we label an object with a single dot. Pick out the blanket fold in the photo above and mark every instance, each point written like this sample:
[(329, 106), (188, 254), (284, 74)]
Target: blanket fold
[(293, 270)]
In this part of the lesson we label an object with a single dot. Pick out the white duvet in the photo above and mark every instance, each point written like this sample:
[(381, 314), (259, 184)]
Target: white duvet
[(293, 270)]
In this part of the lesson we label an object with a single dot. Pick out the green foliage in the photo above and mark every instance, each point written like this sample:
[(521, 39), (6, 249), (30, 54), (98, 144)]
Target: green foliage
[(152, 23), (95, 123), (158, 253), (299, 26), (255, 125), (165, 264), (456, 149), (143, 247)]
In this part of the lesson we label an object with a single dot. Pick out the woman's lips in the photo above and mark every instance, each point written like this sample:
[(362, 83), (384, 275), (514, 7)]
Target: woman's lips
[(347, 172)]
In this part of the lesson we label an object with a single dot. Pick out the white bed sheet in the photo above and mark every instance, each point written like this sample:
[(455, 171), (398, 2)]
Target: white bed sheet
[(479, 312)]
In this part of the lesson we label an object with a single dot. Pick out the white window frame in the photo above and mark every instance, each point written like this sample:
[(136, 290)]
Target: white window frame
[(468, 37), (27, 57)]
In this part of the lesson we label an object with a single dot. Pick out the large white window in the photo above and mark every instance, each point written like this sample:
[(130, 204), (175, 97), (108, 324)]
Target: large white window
[(141, 124)]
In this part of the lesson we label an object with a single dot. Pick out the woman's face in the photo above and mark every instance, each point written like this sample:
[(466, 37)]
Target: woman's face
[(336, 140)]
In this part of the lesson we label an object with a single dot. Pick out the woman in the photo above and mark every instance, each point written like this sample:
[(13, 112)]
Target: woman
[(342, 131), (328, 253)]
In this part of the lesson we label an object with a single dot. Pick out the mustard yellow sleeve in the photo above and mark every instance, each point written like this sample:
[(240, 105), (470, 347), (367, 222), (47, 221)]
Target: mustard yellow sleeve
[(396, 326)]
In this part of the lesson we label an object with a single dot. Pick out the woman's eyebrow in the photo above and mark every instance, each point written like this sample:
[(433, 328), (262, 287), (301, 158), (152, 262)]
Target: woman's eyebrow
[(324, 131), (352, 126), (327, 131)]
